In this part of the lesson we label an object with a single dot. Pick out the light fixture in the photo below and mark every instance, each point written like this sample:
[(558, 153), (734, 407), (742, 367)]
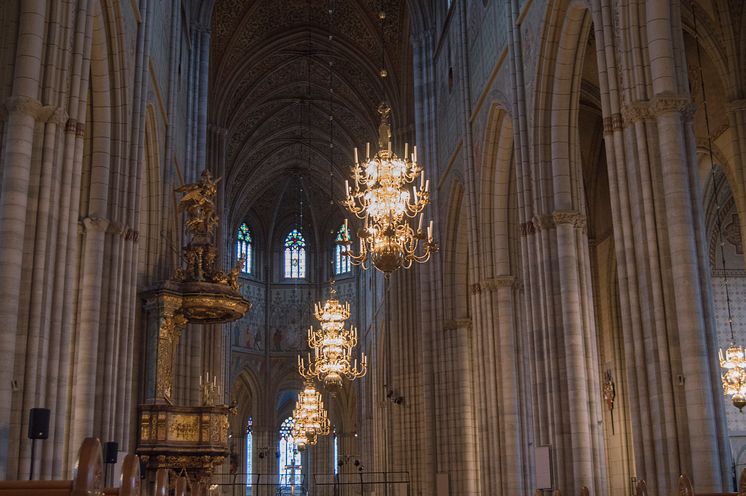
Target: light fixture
[(733, 359), (733, 363), (309, 417), (332, 346), (381, 197)]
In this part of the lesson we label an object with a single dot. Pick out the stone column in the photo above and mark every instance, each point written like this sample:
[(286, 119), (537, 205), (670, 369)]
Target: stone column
[(85, 368), (22, 111), (692, 295), (499, 416), (565, 356)]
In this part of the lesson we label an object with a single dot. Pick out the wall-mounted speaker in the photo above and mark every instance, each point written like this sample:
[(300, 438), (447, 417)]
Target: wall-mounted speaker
[(111, 452), (38, 423)]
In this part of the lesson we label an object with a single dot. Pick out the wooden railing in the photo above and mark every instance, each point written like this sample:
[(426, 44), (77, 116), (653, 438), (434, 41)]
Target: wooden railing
[(88, 479)]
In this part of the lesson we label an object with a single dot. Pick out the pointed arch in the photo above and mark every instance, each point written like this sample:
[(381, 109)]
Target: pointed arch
[(496, 191)]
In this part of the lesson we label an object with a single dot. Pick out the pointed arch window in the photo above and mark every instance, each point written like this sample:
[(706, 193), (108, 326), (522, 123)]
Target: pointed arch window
[(295, 255), (290, 461), (249, 453), (245, 248), (341, 262), (335, 450)]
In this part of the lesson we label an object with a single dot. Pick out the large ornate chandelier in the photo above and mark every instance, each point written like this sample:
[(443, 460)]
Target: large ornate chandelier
[(332, 345), (381, 197), (309, 417), (733, 363)]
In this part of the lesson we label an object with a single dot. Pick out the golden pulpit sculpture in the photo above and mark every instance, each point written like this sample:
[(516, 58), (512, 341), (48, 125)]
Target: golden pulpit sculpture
[(185, 437)]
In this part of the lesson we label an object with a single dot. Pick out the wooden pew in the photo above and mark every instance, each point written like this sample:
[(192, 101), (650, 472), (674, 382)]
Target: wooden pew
[(686, 489), (88, 477), (130, 483), (181, 487), (161, 482)]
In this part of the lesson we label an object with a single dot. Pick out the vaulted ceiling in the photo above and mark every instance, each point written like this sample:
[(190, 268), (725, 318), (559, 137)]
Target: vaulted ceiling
[(269, 88)]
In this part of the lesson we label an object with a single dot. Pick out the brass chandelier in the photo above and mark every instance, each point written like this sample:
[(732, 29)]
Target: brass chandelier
[(381, 197), (310, 419), (733, 359), (733, 363), (332, 346)]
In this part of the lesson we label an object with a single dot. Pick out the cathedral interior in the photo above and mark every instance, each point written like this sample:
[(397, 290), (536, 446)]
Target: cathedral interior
[(372, 247)]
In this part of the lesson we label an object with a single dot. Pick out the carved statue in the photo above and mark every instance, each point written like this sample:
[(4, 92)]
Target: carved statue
[(200, 254), (198, 202), (384, 129)]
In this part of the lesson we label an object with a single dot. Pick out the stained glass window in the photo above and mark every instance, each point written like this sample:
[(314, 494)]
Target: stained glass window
[(295, 255), (245, 248), (341, 262), (290, 462), (249, 453), (336, 452)]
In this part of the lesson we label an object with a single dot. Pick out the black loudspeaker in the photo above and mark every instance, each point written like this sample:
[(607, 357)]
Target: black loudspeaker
[(38, 423), (111, 451)]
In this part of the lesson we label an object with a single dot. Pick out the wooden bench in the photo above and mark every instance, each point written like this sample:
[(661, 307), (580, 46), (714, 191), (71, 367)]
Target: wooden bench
[(88, 477), (162, 484), (130, 482), (687, 489)]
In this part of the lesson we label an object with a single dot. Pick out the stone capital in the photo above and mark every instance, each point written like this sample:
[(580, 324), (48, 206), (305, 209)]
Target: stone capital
[(98, 224), (58, 116), (664, 103), (495, 283), (636, 111), (568, 217), (23, 105)]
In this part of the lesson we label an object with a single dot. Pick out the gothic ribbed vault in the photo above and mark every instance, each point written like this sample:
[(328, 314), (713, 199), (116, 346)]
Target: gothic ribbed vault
[(276, 121)]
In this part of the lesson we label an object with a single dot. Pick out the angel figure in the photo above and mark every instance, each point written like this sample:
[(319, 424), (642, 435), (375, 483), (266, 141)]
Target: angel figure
[(198, 202)]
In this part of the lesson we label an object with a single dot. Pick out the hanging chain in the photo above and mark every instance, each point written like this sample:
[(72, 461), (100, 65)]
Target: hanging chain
[(713, 174)]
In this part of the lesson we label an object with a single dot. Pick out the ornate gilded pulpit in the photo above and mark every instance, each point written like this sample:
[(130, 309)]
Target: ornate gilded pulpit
[(188, 437)]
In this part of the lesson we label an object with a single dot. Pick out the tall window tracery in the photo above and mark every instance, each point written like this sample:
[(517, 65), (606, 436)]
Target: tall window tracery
[(295, 255), (335, 450), (245, 248), (341, 262), (249, 453), (290, 462)]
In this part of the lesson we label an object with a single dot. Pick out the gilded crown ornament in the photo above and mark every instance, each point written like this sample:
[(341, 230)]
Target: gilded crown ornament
[(381, 197), (332, 346)]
